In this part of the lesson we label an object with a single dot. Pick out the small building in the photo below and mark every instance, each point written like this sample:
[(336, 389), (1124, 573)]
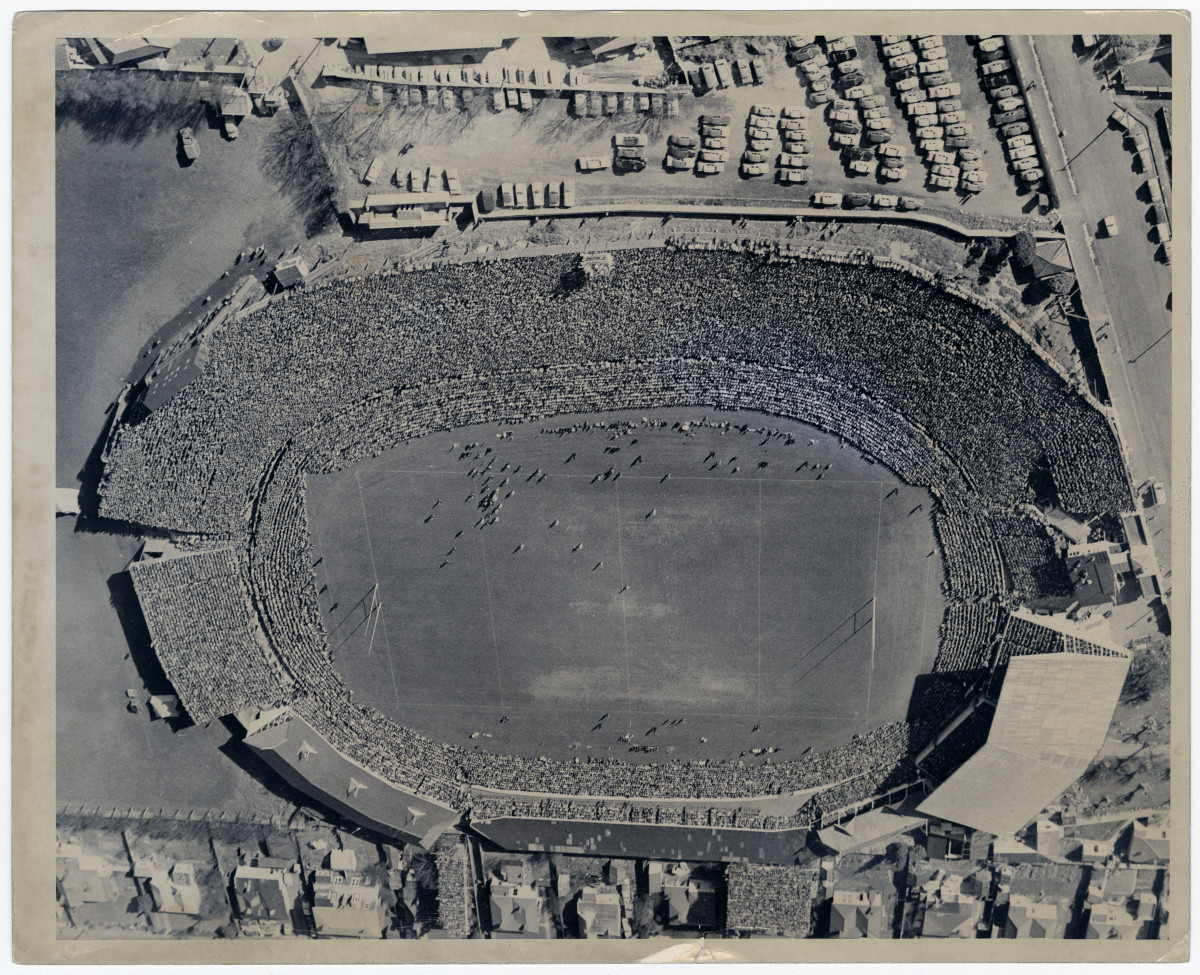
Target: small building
[(128, 51), (1150, 843), (691, 901), (83, 878), (601, 913), (516, 908), (1130, 920), (952, 919), (175, 891), (861, 913), (234, 102), (344, 905), (266, 897), (1028, 918), (291, 271)]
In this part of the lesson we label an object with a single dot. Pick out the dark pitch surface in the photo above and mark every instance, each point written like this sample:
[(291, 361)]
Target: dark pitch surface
[(749, 599)]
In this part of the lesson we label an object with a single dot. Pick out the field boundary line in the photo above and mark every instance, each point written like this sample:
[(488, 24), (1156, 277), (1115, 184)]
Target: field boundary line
[(874, 601), (487, 585)]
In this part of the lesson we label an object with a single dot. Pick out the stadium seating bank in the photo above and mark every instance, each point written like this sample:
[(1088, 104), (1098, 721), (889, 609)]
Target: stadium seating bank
[(942, 394)]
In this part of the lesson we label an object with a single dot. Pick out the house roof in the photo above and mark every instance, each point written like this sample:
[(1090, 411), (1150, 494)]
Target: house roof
[(1051, 720), (955, 919)]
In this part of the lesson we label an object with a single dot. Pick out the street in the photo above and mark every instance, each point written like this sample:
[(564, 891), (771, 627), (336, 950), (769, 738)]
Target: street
[(1122, 282)]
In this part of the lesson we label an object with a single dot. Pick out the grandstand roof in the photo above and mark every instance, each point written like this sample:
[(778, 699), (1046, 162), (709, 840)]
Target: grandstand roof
[(1051, 719), (302, 756)]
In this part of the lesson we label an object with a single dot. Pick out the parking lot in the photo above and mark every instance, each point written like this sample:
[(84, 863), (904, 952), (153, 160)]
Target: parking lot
[(545, 142)]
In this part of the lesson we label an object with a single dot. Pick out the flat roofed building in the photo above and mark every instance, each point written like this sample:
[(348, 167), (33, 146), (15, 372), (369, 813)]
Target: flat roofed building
[(1051, 720)]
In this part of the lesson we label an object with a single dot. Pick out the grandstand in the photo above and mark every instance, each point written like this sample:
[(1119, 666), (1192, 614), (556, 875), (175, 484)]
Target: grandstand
[(940, 393), (1050, 721)]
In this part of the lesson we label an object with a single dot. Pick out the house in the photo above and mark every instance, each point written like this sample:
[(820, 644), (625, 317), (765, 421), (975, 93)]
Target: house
[(1028, 918), (859, 913), (266, 896), (234, 102), (1150, 843), (344, 861), (953, 919), (83, 878), (516, 908), (1128, 921), (691, 901), (946, 841), (1098, 841), (601, 913), (345, 905), (175, 891)]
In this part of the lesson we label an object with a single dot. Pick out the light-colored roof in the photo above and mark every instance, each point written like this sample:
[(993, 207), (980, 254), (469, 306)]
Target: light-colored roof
[(1051, 719)]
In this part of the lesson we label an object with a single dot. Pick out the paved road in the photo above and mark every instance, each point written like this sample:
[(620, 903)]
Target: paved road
[(1121, 281)]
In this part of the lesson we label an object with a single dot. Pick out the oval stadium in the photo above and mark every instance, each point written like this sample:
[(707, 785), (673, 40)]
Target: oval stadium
[(692, 557)]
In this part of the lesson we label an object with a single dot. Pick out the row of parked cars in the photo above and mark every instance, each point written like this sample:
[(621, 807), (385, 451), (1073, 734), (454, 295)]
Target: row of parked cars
[(919, 73), (852, 201), (593, 104), (529, 196), (1009, 111), (760, 138), (1136, 137), (720, 73)]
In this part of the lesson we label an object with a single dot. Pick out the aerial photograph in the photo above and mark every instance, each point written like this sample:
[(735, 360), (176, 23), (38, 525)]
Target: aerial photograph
[(555, 488)]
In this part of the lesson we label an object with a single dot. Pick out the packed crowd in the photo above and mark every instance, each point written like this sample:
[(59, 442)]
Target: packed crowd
[(454, 887), (916, 380), (1035, 568), (204, 633), (966, 636), (1022, 636), (963, 742), (771, 899)]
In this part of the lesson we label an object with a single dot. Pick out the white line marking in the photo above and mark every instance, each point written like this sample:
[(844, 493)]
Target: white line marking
[(487, 582), (758, 682), (367, 527), (874, 602), (621, 570)]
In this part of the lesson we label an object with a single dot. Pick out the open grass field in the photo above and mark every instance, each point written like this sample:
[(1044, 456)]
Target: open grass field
[(726, 580)]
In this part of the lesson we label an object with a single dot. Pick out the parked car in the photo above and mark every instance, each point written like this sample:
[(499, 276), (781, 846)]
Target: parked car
[(1031, 175), (1017, 115), (913, 97), (792, 159), (991, 44), (921, 109), (754, 169), (853, 66), (937, 80), (930, 132), (188, 144), (933, 54), (860, 91), (754, 156), (683, 141), (716, 143), (840, 43), (952, 90), (743, 70), (940, 182), (819, 97), (959, 128), (631, 140), (806, 52), (714, 131), (893, 172), (995, 67), (908, 84), (858, 152), (793, 125), (793, 176), (587, 164), (714, 120), (759, 145), (847, 128), (859, 167), (893, 152), (1021, 165), (951, 118), (758, 68), (714, 156), (878, 124), (854, 200), (841, 57), (827, 199), (819, 87), (1024, 152), (844, 139), (755, 132), (927, 146), (902, 61), (892, 39), (897, 49), (1013, 129), (934, 67), (852, 80), (960, 141), (902, 74), (708, 169), (879, 136), (872, 113)]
